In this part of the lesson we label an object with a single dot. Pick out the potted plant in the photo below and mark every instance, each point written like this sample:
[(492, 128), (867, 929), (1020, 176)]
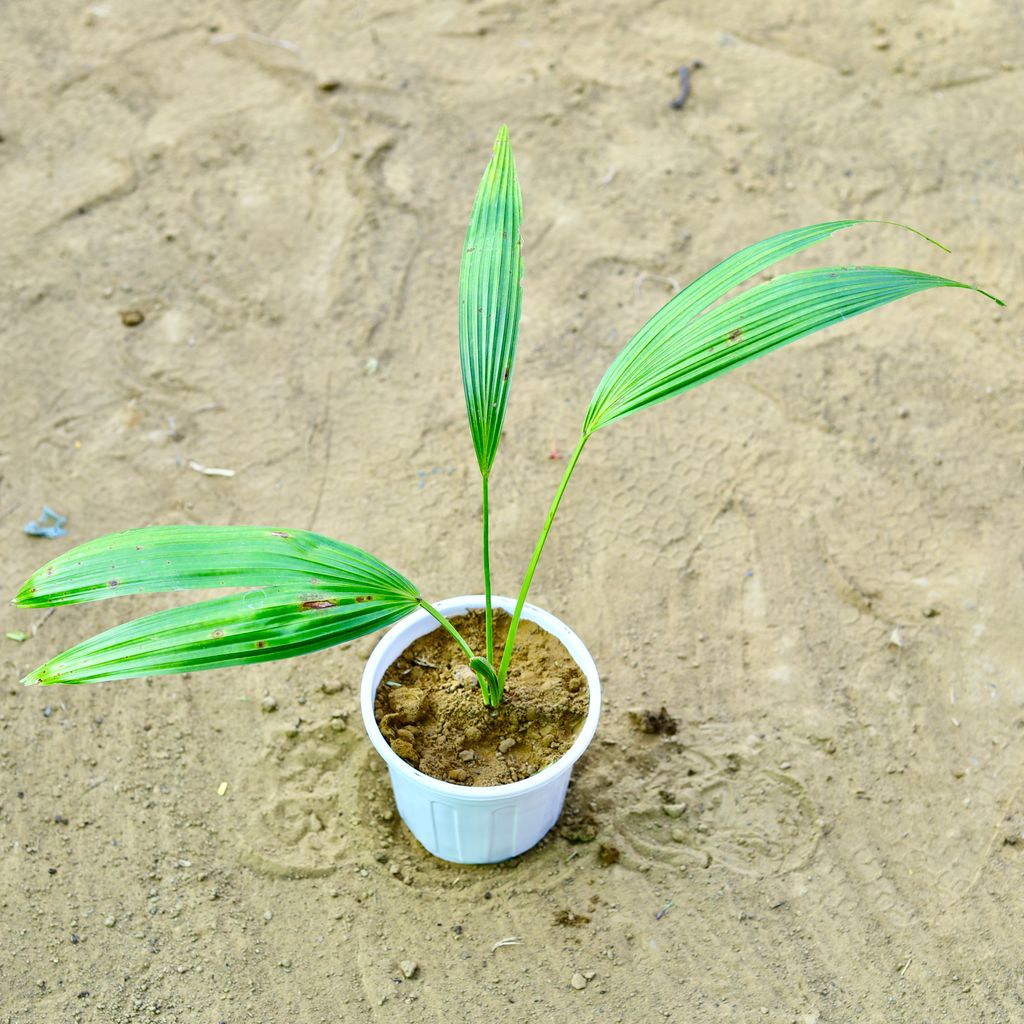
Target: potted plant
[(304, 592)]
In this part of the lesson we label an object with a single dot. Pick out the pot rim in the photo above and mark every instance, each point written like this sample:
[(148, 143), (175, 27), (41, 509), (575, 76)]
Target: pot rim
[(383, 657)]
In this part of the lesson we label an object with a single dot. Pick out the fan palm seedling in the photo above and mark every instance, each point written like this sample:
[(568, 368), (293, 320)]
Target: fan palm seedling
[(302, 592)]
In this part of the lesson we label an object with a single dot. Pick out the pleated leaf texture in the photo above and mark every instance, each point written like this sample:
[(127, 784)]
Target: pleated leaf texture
[(490, 300), (311, 592), (690, 340)]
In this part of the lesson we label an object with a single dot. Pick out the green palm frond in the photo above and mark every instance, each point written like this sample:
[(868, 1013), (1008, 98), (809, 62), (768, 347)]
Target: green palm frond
[(240, 629), (490, 297), (685, 344), (165, 558), (310, 592)]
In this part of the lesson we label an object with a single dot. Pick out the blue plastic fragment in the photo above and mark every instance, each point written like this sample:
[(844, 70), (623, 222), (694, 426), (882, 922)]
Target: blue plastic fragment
[(49, 524)]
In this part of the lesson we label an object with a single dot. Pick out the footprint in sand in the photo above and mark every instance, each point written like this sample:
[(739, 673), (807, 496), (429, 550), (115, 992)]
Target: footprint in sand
[(317, 791), (702, 810)]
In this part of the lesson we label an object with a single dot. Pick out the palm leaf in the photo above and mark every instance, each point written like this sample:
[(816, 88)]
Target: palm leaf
[(259, 625), (166, 558), (684, 345), (490, 296)]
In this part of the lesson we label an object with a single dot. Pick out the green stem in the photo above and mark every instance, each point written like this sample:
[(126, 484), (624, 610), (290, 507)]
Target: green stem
[(510, 639), (428, 607), (490, 696), (489, 614)]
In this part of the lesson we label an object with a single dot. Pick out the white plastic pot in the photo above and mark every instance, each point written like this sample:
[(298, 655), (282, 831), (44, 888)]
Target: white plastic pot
[(477, 824)]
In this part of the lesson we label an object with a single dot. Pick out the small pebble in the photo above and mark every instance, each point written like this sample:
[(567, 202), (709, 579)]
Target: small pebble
[(673, 810), (678, 835), (465, 676), (222, 789), (409, 968), (47, 711), (578, 982), (132, 317), (467, 755), (507, 744), (110, 922), (331, 686), (268, 703)]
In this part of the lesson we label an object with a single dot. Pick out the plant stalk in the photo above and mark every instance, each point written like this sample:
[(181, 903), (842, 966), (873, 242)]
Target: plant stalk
[(491, 697), (489, 613), (428, 607), (510, 639)]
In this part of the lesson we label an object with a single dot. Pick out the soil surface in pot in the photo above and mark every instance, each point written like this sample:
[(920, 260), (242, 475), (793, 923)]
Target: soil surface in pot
[(430, 710)]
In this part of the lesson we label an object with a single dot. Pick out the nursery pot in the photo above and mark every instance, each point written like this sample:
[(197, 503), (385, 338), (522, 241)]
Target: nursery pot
[(477, 824)]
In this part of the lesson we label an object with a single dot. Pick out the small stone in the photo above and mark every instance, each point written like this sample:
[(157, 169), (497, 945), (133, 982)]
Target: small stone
[(678, 835), (132, 317), (578, 982), (47, 711), (222, 789), (409, 968), (507, 744), (465, 676), (110, 921), (467, 755), (331, 686), (590, 975), (268, 703), (673, 810), (268, 915)]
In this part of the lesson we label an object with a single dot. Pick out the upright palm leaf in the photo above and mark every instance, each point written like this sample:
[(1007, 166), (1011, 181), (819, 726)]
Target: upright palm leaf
[(312, 593), (490, 296), (490, 292)]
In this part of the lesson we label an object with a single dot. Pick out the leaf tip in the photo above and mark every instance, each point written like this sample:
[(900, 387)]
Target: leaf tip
[(914, 231)]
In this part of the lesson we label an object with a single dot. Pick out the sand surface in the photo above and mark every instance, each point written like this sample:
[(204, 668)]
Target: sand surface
[(814, 564)]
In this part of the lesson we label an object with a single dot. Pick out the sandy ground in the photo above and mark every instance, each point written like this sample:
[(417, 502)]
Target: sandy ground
[(814, 564)]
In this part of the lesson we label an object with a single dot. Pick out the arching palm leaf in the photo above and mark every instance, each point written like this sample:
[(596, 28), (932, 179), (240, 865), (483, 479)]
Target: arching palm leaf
[(258, 625), (165, 558), (313, 592), (683, 344)]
